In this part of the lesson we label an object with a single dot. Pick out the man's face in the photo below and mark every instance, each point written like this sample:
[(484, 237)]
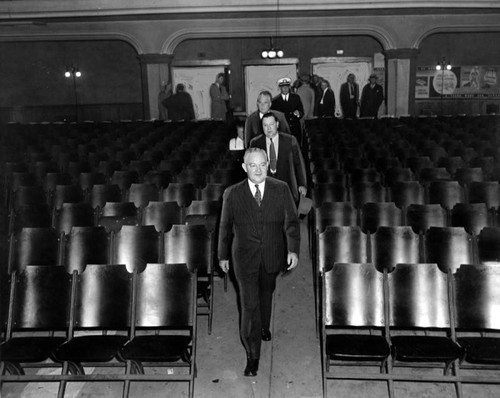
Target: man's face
[(324, 85), (264, 103), (270, 126), (256, 167), (220, 79), (285, 89), (373, 80), (350, 78)]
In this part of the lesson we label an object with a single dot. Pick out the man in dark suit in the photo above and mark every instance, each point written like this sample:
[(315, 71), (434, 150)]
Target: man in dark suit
[(372, 97), (286, 163), (349, 97), (253, 124), (179, 105), (326, 103), (260, 220), (291, 105)]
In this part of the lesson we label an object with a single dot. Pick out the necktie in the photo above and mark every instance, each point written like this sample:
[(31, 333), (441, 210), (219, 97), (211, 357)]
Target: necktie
[(258, 195), (272, 157)]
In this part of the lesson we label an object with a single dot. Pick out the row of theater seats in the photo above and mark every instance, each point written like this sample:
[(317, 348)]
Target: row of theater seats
[(100, 316), (132, 245), (413, 316)]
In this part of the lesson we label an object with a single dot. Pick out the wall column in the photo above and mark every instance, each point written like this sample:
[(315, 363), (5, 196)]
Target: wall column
[(155, 72), (401, 74)]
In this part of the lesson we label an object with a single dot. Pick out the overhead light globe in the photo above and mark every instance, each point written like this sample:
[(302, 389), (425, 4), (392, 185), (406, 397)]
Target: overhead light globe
[(67, 73), (264, 54), (280, 53), (78, 73), (438, 67), (448, 67), (272, 53)]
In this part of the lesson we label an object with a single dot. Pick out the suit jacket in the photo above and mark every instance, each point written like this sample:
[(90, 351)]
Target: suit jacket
[(288, 107), (264, 233), (219, 97), (371, 99), (327, 108), (253, 125), (290, 167), (349, 106), (180, 106)]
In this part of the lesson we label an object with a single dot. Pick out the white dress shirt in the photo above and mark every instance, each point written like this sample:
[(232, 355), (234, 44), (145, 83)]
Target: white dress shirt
[(285, 97), (262, 187), (236, 144)]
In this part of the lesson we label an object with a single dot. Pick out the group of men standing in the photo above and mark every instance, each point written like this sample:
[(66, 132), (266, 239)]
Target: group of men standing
[(372, 97)]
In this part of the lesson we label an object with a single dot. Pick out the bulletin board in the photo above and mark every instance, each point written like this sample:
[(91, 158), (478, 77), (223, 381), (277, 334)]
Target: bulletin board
[(264, 75), (335, 70), (197, 76)]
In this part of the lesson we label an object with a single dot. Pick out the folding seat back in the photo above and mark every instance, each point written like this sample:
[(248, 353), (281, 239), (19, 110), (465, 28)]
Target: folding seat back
[(484, 192), (87, 179), (394, 245), (212, 192), (42, 298), (135, 246), (477, 300), (477, 297), (473, 217), (142, 194), (430, 174), (363, 175), (141, 167), (421, 217), (344, 306), (329, 176), (86, 245), (71, 215), (162, 215), (226, 177), (114, 215), (189, 244), (405, 193), (160, 178), (34, 246), (205, 213), (374, 215), (102, 193), (451, 163), (332, 192), (40, 307), (466, 175), (26, 195), (182, 193), (488, 245), (30, 216), (446, 193), (448, 247), (397, 174), (65, 194), (341, 244), (165, 296), (124, 179), (366, 192), (335, 214), (197, 177), (417, 163)]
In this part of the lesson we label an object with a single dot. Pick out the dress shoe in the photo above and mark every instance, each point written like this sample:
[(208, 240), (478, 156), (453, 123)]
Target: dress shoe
[(266, 334), (252, 367)]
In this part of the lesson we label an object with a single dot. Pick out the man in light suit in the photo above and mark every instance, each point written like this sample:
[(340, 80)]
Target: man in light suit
[(287, 163), (349, 97), (291, 106), (253, 124), (219, 96), (260, 228)]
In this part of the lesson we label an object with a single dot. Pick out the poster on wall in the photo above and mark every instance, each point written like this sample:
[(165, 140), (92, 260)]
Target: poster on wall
[(459, 82), (197, 80), (265, 77)]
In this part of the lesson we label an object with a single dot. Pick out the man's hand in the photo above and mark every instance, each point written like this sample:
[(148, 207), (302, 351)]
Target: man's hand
[(296, 112), (292, 261), (302, 190), (224, 264)]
